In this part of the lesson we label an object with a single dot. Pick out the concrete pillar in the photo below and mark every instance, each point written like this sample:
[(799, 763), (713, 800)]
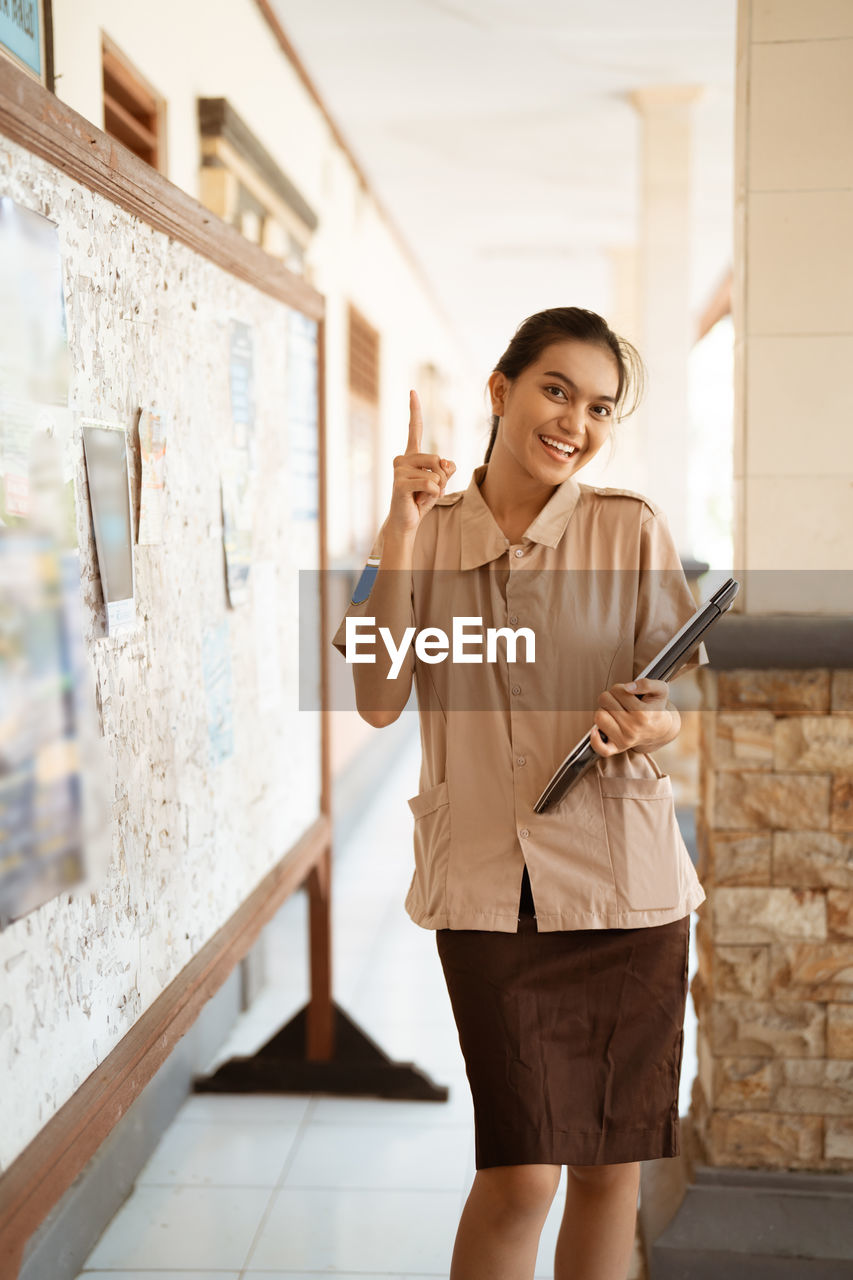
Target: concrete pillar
[(792, 297), (627, 468), (764, 1184), (665, 325)]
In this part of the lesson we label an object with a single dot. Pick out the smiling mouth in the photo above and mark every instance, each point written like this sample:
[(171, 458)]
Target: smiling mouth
[(560, 454)]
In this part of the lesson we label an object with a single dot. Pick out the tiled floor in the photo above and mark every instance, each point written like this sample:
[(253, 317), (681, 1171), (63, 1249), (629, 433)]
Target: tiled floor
[(295, 1187)]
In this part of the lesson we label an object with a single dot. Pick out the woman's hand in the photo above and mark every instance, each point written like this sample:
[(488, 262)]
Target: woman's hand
[(419, 478), (631, 722)]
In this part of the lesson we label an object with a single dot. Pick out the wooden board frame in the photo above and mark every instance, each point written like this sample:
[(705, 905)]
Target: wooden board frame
[(34, 118), (44, 1171)]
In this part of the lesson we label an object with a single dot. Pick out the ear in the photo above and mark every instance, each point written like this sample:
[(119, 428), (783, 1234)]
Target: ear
[(498, 388)]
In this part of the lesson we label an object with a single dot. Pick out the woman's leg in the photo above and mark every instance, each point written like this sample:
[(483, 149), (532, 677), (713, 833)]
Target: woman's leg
[(599, 1222), (499, 1230)]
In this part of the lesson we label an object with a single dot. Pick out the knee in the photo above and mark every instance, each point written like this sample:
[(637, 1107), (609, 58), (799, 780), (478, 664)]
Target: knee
[(521, 1190), (605, 1175)]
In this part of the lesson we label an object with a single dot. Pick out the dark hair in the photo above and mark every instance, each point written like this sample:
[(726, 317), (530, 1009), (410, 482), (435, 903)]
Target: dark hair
[(537, 332)]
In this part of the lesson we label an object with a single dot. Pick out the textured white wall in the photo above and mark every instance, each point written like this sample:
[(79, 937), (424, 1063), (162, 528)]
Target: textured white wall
[(148, 325), (224, 48)]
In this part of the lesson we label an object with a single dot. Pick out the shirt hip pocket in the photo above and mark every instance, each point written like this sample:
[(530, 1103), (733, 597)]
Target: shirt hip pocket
[(431, 811), (645, 843)]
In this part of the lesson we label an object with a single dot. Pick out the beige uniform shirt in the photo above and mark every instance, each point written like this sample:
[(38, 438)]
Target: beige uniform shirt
[(597, 577)]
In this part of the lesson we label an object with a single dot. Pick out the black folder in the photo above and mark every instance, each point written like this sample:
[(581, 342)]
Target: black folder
[(662, 667)]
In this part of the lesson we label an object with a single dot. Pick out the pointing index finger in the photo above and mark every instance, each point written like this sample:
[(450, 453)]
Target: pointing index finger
[(416, 424)]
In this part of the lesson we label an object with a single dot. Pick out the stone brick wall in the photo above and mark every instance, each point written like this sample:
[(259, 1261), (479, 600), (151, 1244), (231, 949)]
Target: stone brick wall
[(774, 986)]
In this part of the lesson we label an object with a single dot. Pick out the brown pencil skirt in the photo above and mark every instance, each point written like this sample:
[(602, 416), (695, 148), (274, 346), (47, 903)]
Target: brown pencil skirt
[(572, 1040)]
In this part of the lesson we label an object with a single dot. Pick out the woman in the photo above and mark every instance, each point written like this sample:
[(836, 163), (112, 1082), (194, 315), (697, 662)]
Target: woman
[(563, 936)]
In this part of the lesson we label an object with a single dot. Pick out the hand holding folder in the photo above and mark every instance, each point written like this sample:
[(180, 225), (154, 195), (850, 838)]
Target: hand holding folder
[(662, 667)]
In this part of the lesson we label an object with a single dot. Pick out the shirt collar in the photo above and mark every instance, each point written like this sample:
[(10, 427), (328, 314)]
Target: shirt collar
[(483, 539)]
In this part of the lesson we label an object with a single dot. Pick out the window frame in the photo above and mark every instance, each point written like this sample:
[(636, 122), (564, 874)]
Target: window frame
[(133, 85)]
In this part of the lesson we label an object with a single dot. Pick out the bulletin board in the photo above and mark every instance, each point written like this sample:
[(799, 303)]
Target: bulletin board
[(208, 355)]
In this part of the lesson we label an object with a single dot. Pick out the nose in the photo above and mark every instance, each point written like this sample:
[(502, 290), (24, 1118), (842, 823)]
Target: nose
[(574, 424)]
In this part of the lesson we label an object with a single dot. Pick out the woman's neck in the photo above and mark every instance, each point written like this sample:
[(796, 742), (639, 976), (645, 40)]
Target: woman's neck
[(512, 495)]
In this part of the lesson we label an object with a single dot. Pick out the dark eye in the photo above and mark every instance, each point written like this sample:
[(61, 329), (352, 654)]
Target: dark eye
[(605, 413), (560, 390)]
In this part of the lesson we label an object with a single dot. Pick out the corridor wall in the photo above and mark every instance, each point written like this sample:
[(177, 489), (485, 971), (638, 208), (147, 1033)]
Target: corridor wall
[(200, 811)]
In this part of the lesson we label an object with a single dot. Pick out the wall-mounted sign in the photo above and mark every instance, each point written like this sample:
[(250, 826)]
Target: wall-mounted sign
[(152, 452), (302, 415), (242, 388), (105, 447), (21, 26)]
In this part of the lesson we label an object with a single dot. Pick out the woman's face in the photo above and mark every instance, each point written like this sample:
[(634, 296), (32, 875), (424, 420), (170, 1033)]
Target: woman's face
[(566, 397)]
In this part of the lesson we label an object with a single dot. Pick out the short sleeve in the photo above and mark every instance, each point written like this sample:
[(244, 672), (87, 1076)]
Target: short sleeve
[(665, 601), (361, 593)]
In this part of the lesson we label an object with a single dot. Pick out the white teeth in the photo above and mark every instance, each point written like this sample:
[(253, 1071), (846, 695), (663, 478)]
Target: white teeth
[(567, 449)]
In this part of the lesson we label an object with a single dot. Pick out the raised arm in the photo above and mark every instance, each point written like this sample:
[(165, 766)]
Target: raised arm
[(419, 480)]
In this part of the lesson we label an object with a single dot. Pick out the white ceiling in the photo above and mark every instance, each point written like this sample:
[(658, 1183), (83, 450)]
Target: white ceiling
[(499, 137)]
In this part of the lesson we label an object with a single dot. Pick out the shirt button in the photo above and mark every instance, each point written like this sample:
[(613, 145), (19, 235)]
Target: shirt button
[(519, 551), (521, 760), (524, 833), (516, 688), (514, 619)]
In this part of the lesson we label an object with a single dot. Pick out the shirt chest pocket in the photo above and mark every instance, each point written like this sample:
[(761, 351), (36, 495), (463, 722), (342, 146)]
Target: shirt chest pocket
[(646, 848)]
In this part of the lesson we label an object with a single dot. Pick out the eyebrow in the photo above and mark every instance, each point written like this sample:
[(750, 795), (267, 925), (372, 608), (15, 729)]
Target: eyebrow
[(552, 373)]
